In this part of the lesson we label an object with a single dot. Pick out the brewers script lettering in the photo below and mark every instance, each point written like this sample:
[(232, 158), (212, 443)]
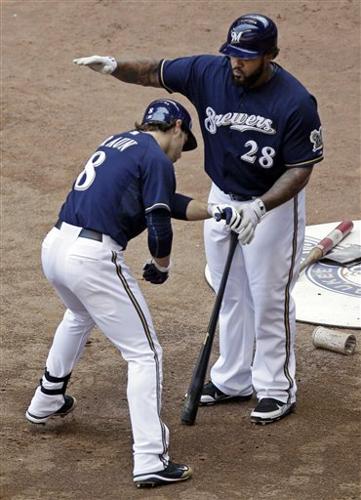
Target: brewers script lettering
[(237, 121)]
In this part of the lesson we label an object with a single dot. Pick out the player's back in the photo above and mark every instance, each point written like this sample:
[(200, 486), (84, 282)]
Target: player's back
[(108, 195)]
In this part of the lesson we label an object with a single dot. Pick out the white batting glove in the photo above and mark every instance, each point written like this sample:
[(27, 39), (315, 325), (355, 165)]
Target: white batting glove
[(251, 214), (102, 64), (230, 215)]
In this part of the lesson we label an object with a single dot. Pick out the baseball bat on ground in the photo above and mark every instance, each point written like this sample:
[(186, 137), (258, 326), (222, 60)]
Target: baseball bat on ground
[(327, 243), (194, 393)]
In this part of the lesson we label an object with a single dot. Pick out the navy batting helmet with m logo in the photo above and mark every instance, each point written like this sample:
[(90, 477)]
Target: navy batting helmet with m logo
[(251, 36)]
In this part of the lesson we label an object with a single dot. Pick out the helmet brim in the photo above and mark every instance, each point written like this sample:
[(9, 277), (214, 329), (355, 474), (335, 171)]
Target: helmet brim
[(191, 142), (233, 51)]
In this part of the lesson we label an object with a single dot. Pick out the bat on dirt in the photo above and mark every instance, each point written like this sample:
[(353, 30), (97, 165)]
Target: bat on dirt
[(193, 396), (327, 243)]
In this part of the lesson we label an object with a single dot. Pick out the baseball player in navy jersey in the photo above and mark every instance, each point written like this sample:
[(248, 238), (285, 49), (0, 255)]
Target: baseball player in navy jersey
[(127, 185), (262, 137)]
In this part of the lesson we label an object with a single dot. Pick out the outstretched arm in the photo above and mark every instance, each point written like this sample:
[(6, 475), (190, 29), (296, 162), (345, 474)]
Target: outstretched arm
[(185, 208), (197, 210), (141, 72)]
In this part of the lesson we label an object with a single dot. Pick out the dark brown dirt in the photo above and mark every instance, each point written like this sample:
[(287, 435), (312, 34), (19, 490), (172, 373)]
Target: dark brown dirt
[(53, 114)]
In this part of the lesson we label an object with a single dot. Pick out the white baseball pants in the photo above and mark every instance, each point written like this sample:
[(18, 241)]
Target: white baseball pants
[(97, 288), (257, 321)]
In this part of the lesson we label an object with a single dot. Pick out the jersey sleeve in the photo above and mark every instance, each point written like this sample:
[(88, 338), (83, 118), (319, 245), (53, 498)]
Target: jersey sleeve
[(302, 145), (158, 184), (181, 75)]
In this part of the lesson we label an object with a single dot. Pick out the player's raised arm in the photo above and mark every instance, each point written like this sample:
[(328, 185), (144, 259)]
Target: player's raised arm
[(141, 72)]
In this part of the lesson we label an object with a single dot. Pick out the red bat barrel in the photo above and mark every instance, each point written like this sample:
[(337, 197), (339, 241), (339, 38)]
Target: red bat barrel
[(327, 243), (335, 236)]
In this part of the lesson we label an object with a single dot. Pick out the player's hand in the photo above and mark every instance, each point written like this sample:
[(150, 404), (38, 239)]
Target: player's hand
[(251, 214), (230, 215), (154, 273), (102, 64)]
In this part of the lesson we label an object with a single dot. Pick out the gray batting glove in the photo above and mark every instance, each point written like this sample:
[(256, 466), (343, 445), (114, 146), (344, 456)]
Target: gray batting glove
[(251, 214), (102, 64)]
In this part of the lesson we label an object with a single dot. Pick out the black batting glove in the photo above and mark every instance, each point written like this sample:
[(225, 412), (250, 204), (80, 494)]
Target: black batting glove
[(154, 273)]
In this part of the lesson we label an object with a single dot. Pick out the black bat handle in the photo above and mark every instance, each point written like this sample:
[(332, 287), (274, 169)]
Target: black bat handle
[(217, 305), (193, 397)]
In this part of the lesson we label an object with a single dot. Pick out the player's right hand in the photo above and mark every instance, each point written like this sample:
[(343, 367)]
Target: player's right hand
[(154, 273), (102, 64), (251, 214)]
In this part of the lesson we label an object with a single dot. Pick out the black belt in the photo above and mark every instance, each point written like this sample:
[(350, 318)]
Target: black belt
[(240, 197), (84, 233)]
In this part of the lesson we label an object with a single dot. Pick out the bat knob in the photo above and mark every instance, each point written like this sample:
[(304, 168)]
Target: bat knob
[(187, 422)]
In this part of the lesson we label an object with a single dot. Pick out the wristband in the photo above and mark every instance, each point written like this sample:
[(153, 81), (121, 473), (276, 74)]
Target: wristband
[(259, 207), (211, 207), (160, 268)]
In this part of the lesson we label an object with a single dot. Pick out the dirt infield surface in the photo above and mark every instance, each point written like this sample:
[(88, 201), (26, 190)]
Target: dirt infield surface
[(53, 115)]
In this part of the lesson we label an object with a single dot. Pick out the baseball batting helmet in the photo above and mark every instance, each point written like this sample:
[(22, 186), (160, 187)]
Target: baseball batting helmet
[(250, 36), (167, 111)]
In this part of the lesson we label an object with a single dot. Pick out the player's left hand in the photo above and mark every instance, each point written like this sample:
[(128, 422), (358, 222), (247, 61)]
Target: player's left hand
[(154, 273), (102, 64), (251, 214), (230, 215)]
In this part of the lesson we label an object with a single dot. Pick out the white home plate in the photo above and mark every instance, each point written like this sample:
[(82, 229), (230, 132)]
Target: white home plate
[(327, 293)]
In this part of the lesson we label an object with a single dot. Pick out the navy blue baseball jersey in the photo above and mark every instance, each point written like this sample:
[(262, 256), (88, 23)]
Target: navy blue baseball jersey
[(127, 177), (251, 135)]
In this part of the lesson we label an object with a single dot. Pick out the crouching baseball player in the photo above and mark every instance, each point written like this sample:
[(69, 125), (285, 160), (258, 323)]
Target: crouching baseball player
[(127, 185)]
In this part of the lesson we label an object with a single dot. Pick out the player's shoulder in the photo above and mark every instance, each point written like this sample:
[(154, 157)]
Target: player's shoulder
[(136, 148), (198, 60), (145, 156), (211, 61), (211, 67), (153, 153), (123, 141), (293, 90), (289, 80), (210, 58)]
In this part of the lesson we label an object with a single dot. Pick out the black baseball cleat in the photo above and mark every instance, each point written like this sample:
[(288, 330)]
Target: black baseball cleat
[(68, 407), (171, 474), (211, 395), (270, 410)]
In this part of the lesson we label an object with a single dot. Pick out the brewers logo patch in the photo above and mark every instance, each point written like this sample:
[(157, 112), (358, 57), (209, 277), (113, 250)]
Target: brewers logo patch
[(316, 139)]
